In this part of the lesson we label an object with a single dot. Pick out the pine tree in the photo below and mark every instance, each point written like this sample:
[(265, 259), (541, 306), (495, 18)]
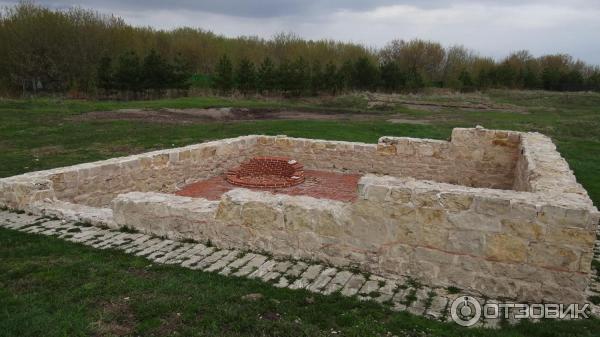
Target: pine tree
[(345, 75), (485, 78), (551, 78), (316, 78), (105, 74), (572, 81), (266, 76), (128, 72), (284, 76), (365, 75), (223, 80), (156, 72), (506, 75), (414, 79), (180, 73), (294, 77), (331, 81), (245, 76), (593, 81), (466, 81), (531, 78), (392, 77), (300, 77)]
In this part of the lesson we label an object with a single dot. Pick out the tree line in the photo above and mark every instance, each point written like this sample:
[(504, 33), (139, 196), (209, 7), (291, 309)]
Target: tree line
[(400, 73), (78, 50), (132, 74)]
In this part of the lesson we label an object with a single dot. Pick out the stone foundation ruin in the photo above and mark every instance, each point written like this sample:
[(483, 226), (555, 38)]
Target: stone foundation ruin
[(492, 212)]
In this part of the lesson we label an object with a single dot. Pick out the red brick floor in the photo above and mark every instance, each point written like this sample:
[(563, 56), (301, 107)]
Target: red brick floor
[(318, 184)]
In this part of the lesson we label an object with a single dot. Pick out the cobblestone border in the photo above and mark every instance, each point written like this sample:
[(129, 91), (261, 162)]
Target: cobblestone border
[(400, 294)]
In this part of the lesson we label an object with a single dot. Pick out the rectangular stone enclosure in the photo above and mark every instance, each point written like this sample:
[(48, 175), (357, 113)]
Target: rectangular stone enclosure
[(493, 212)]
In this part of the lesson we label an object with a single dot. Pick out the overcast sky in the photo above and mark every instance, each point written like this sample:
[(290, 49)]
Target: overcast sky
[(491, 27)]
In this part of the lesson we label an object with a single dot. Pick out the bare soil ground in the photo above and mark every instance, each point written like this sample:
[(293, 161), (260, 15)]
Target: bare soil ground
[(465, 102), (190, 116)]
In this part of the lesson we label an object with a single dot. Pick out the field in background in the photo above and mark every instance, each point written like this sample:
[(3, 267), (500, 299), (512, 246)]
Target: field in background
[(49, 287)]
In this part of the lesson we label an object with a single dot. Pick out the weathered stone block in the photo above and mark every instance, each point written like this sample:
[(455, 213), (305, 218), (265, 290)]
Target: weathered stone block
[(401, 195), (571, 236), (506, 248), (455, 201), (466, 242), (475, 221), (492, 206), (262, 216), (426, 198), (554, 256), (386, 150), (529, 230)]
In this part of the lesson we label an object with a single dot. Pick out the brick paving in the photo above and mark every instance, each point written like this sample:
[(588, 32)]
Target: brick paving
[(400, 294), (317, 184)]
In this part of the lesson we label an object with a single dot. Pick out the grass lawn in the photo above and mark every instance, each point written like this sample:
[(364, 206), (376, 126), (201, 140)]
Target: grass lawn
[(53, 288), (49, 287)]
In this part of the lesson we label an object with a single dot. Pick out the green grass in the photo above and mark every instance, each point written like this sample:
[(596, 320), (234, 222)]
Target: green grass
[(49, 287), (53, 288)]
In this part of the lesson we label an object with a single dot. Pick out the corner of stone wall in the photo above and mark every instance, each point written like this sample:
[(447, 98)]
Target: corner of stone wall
[(97, 183), (481, 238), (19, 192), (546, 171), (167, 215), (95, 216)]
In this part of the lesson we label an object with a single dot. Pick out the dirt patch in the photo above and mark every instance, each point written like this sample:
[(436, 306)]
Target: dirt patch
[(465, 102), (4, 145), (422, 107), (117, 149), (117, 319), (407, 121), (466, 106), (50, 150), (168, 326), (270, 316), (192, 116), (141, 272)]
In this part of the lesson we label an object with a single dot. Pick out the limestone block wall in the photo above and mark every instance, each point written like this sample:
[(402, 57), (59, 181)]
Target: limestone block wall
[(474, 157), (531, 243), (97, 183), (541, 169), (500, 243)]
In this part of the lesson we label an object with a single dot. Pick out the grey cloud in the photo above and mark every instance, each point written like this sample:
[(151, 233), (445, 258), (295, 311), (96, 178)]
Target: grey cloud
[(242, 8), (492, 27), (276, 8)]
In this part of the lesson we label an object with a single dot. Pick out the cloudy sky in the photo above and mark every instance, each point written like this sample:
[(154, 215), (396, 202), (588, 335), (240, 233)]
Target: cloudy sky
[(491, 27)]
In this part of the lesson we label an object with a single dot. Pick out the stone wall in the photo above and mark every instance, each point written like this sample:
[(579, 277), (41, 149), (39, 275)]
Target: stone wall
[(498, 243), (97, 183), (474, 157), (518, 245)]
